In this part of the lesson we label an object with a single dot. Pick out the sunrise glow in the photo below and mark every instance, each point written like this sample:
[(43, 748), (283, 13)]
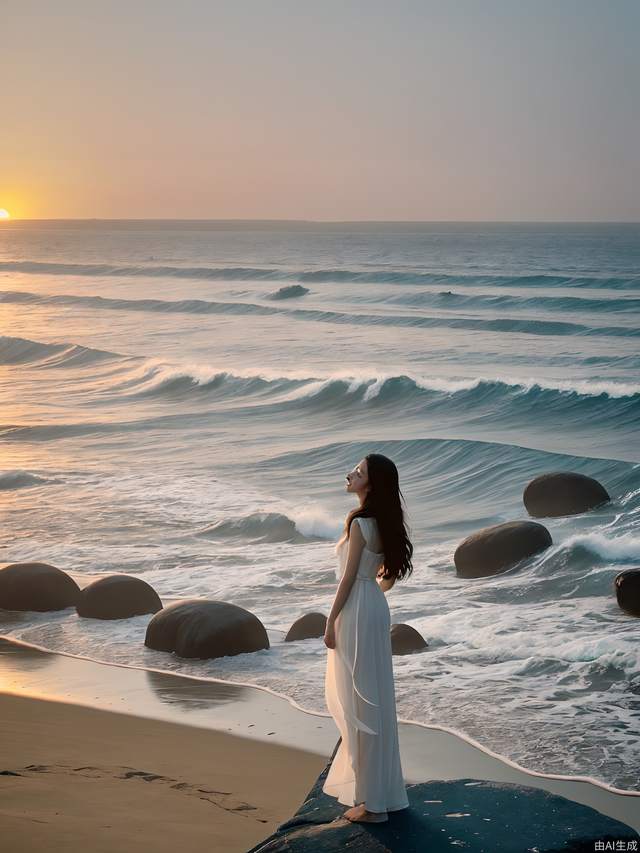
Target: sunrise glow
[(4, 214)]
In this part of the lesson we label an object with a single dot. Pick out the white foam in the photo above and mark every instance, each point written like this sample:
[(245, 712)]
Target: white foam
[(314, 521), (624, 547), (158, 372)]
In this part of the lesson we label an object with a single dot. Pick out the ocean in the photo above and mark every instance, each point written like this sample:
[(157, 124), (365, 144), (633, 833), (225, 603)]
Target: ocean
[(181, 401)]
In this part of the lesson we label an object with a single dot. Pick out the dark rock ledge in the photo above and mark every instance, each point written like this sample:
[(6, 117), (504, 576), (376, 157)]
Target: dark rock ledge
[(474, 815)]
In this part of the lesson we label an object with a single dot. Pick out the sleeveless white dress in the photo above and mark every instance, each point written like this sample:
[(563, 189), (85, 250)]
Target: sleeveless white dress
[(359, 689)]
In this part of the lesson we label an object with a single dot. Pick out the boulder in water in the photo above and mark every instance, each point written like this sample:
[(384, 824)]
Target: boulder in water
[(627, 587), (309, 625), (495, 549), (289, 291), (198, 628), (405, 640), (118, 597), (36, 586), (563, 493)]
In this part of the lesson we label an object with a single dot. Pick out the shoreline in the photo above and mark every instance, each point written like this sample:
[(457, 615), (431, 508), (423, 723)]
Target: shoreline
[(260, 716)]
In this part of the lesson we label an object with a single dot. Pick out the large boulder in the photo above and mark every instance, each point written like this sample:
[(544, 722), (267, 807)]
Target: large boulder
[(495, 549), (309, 625), (405, 640), (627, 587), (198, 628), (117, 597), (36, 586), (563, 493)]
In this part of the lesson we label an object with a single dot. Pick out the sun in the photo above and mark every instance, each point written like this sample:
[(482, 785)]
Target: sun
[(4, 214)]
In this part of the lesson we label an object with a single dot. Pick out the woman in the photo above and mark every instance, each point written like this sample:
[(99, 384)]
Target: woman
[(373, 552)]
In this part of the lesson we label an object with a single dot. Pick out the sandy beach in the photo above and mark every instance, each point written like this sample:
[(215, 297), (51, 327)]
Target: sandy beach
[(76, 778), (111, 757)]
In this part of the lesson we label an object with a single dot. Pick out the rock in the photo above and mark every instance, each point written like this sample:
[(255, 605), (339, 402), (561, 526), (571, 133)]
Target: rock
[(627, 587), (495, 549), (563, 493), (289, 291), (117, 597), (405, 640), (36, 586), (454, 814), (198, 628), (309, 625)]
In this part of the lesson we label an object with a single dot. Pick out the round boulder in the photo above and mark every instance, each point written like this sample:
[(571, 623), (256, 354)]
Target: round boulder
[(405, 640), (495, 549), (199, 628), (309, 625), (117, 597), (36, 586), (627, 587), (563, 493)]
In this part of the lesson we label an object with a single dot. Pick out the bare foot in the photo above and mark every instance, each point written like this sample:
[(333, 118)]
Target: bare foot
[(359, 814)]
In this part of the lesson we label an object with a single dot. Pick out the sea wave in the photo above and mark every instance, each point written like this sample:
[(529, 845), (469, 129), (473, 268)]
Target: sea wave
[(624, 548), (503, 398), (585, 564), (10, 480), (455, 300), (512, 401), (467, 459), (514, 325), (268, 527), (456, 480), (153, 377), (373, 276), (16, 350)]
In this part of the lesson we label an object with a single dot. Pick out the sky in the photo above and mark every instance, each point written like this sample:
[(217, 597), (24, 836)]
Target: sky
[(508, 110)]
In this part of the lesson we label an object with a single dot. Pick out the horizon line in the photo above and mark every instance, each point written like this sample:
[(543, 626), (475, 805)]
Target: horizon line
[(333, 221)]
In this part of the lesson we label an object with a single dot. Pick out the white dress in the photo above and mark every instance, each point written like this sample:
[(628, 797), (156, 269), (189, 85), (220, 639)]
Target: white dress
[(359, 689)]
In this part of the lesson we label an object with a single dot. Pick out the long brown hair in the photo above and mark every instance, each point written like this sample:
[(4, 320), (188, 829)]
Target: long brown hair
[(384, 503)]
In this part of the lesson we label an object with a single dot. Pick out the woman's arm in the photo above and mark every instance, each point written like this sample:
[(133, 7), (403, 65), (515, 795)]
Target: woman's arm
[(356, 545)]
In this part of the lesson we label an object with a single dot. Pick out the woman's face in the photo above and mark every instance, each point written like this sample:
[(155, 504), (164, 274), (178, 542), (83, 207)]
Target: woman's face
[(358, 477)]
